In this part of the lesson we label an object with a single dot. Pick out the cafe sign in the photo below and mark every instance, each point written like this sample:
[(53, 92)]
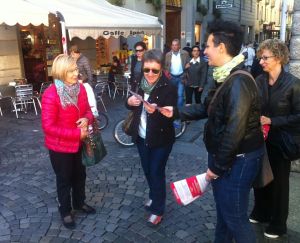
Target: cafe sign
[(95, 33)]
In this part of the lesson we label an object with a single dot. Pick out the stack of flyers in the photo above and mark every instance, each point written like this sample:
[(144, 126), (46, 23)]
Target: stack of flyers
[(189, 189), (139, 97)]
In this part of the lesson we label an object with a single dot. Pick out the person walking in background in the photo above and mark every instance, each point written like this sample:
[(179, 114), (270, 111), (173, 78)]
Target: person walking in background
[(152, 131), (83, 64), (65, 117), (280, 95), (115, 68), (196, 76), (249, 56), (175, 62), (232, 134), (136, 65), (188, 49)]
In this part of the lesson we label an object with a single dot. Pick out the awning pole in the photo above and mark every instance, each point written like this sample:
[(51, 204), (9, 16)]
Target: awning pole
[(63, 32)]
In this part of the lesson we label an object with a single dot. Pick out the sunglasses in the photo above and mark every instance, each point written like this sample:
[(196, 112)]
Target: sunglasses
[(139, 50), (155, 71)]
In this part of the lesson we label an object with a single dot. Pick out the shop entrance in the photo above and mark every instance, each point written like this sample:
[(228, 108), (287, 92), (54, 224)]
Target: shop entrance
[(33, 49), (39, 46)]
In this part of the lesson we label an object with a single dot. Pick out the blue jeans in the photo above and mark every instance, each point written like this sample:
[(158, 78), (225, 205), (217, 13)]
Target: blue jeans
[(177, 81), (231, 192), (154, 162)]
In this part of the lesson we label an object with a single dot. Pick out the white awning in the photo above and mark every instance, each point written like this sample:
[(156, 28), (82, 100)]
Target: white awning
[(14, 12), (94, 18)]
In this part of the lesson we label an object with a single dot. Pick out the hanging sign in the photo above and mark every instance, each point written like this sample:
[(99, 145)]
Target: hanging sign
[(224, 4)]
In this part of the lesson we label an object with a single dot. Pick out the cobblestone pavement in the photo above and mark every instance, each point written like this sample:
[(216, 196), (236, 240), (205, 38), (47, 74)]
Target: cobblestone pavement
[(116, 187)]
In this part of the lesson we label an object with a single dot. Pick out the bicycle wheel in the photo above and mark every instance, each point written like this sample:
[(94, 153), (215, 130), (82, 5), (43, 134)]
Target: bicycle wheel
[(179, 128), (102, 120), (120, 136)]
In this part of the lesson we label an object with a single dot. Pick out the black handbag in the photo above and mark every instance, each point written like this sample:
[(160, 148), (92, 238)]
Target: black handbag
[(127, 123), (288, 146)]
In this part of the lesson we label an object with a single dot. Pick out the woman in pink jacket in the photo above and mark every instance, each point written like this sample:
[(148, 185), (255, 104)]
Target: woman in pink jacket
[(65, 117)]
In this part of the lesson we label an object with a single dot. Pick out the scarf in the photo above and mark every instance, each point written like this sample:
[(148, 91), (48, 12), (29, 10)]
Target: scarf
[(220, 73), (146, 87), (68, 95)]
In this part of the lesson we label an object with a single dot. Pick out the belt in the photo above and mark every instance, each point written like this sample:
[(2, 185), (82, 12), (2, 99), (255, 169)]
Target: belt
[(176, 76)]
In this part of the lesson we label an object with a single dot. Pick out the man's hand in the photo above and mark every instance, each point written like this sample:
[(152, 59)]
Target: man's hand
[(150, 108), (265, 120), (82, 122)]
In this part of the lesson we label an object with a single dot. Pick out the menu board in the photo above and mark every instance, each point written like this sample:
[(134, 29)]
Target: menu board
[(102, 51)]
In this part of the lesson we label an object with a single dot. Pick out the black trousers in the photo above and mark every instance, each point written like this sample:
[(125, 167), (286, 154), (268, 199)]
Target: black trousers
[(272, 201), (70, 174), (189, 91)]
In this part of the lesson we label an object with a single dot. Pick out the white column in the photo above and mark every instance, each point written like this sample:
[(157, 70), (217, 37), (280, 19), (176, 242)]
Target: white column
[(283, 20)]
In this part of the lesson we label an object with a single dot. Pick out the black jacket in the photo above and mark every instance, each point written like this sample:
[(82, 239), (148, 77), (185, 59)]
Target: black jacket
[(160, 129), (135, 81), (281, 102), (233, 125)]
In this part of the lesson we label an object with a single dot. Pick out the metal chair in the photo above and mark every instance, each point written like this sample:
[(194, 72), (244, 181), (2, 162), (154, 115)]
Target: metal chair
[(99, 91), (23, 97), (120, 84), (38, 95), (103, 78)]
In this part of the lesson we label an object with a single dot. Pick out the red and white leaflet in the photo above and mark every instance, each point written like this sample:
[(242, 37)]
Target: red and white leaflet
[(265, 129), (189, 189)]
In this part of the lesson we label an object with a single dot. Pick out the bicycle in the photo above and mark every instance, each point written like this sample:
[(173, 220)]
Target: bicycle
[(123, 139), (102, 120)]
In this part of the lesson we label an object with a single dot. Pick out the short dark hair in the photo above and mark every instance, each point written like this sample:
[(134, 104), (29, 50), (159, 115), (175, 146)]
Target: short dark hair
[(74, 48), (154, 55), (195, 46), (140, 43), (228, 33)]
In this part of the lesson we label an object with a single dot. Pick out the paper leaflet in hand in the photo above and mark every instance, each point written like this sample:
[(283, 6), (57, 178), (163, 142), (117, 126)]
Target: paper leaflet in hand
[(140, 98), (189, 189)]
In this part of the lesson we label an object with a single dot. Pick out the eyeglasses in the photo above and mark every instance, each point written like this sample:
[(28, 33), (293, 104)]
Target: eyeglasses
[(73, 70), (155, 71), (139, 50), (265, 58)]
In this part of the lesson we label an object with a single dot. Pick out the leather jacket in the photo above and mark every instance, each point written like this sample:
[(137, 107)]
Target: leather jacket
[(233, 125), (281, 103), (160, 130)]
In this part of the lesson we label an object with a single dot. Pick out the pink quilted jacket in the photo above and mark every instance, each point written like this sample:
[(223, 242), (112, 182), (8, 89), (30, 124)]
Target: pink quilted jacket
[(59, 125)]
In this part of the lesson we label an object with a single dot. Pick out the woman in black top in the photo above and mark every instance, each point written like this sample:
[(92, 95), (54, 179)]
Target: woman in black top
[(280, 96), (196, 76), (136, 65), (152, 131)]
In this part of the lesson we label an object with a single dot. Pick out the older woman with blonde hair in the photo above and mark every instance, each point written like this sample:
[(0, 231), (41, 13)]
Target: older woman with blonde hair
[(65, 117), (280, 96)]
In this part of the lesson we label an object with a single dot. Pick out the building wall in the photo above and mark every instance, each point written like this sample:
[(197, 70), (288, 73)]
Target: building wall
[(10, 63), (242, 12)]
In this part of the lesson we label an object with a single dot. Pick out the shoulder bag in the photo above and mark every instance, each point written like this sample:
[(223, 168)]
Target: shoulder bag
[(93, 149)]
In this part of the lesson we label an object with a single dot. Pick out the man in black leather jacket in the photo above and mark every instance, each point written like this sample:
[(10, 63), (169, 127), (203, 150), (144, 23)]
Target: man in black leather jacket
[(232, 133)]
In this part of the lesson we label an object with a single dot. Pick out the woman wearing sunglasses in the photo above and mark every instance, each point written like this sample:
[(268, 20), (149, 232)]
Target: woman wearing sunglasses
[(136, 64), (152, 131), (280, 95)]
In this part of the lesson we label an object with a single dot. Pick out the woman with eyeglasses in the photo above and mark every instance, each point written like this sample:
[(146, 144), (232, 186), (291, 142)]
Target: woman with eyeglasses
[(66, 115), (152, 131), (280, 98), (136, 64)]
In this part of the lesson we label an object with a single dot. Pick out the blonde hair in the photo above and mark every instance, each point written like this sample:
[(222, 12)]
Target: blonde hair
[(278, 49), (60, 66)]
